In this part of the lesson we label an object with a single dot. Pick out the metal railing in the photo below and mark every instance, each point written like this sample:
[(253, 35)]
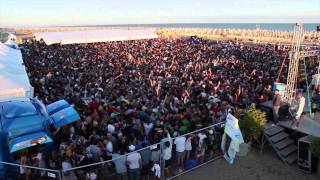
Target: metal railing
[(19, 171), (191, 159)]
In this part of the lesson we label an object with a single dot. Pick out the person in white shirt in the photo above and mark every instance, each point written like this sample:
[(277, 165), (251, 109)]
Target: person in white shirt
[(300, 109), (166, 144), (148, 126), (135, 163), (180, 142)]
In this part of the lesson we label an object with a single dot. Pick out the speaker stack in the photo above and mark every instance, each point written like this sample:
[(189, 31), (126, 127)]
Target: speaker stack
[(306, 160)]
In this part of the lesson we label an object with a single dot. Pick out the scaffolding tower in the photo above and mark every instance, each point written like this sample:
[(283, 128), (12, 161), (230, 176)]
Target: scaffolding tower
[(295, 55)]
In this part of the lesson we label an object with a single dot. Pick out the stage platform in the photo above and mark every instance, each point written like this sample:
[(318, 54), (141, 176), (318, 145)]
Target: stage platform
[(307, 125)]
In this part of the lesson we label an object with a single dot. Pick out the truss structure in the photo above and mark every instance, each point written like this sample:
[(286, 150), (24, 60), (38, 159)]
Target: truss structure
[(295, 55), (294, 63)]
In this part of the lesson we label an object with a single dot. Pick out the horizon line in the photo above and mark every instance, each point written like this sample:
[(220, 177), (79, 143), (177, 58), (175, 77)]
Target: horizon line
[(137, 24)]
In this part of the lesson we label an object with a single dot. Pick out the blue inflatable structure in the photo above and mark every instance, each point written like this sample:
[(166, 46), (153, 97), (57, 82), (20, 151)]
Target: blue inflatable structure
[(26, 122)]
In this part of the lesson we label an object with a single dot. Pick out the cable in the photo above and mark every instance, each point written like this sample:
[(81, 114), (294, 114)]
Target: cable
[(308, 97)]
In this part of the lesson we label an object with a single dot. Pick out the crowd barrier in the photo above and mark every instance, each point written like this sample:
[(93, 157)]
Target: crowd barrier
[(158, 167), (14, 171), (205, 147)]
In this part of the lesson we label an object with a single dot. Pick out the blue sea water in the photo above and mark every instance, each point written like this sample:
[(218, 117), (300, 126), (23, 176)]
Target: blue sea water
[(266, 26)]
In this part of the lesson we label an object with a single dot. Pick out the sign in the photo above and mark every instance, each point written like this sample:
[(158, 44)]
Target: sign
[(28, 141)]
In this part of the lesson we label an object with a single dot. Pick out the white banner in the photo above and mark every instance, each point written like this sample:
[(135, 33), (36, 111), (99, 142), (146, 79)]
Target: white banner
[(233, 131)]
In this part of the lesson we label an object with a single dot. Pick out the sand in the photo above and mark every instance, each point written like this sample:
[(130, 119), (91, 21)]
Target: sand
[(255, 166)]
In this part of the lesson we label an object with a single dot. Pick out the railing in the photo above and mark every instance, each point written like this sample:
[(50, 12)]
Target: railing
[(205, 147), (178, 164), (18, 171)]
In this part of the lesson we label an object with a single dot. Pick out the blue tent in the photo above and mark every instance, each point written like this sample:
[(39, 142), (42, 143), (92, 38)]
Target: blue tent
[(26, 122)]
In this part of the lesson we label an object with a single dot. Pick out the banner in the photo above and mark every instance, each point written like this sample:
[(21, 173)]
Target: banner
[(233, 131)]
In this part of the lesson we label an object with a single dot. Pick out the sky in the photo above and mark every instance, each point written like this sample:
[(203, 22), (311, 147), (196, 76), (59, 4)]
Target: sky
[(19, 13)]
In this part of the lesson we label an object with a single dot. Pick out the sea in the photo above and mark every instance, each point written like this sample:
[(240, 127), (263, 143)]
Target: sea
[(264, 26)]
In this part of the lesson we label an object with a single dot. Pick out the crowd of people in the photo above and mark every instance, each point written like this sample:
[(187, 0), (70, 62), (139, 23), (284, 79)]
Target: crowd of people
[(132, 94)]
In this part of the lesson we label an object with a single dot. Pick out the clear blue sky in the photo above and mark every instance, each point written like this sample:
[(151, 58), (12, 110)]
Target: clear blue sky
[(83, 12)]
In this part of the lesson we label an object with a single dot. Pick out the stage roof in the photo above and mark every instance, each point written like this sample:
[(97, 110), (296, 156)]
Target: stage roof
[(91, 36)]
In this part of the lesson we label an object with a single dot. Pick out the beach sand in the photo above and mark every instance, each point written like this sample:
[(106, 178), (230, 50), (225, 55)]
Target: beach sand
[(255, 166)]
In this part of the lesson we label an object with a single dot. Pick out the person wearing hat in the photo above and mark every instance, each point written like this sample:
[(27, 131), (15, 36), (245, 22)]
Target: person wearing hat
[(135, 163), (276, 105)]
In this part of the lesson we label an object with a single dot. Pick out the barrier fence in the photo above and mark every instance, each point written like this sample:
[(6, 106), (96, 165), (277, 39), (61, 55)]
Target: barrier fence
[(168, 159), (204, 146), (17, 171)]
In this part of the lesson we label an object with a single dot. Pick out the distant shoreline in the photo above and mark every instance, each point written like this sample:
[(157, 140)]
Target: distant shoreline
[(247, 32), (264, 26)]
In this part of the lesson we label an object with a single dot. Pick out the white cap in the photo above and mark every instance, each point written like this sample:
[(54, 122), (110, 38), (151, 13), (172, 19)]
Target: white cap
[(111, 128), (132, 147), (210, 131), (92, 176)]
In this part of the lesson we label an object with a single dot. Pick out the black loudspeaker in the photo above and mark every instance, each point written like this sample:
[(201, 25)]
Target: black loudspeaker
[(307, 162), (267, 107), (283, 111)]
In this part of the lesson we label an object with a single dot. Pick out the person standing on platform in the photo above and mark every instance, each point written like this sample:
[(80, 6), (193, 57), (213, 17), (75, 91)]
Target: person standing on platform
[(276, 106), (301, 102)]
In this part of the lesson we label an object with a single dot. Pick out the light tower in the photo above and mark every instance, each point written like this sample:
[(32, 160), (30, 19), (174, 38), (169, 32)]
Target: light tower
[(295, 55)]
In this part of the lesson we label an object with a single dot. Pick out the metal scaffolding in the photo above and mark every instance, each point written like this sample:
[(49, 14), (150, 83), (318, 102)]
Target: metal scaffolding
[(295, 55), (294, 63)]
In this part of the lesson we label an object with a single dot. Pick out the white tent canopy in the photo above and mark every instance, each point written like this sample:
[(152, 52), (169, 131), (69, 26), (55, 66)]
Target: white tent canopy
[(13, 76), (12, 44), (91, 36)]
